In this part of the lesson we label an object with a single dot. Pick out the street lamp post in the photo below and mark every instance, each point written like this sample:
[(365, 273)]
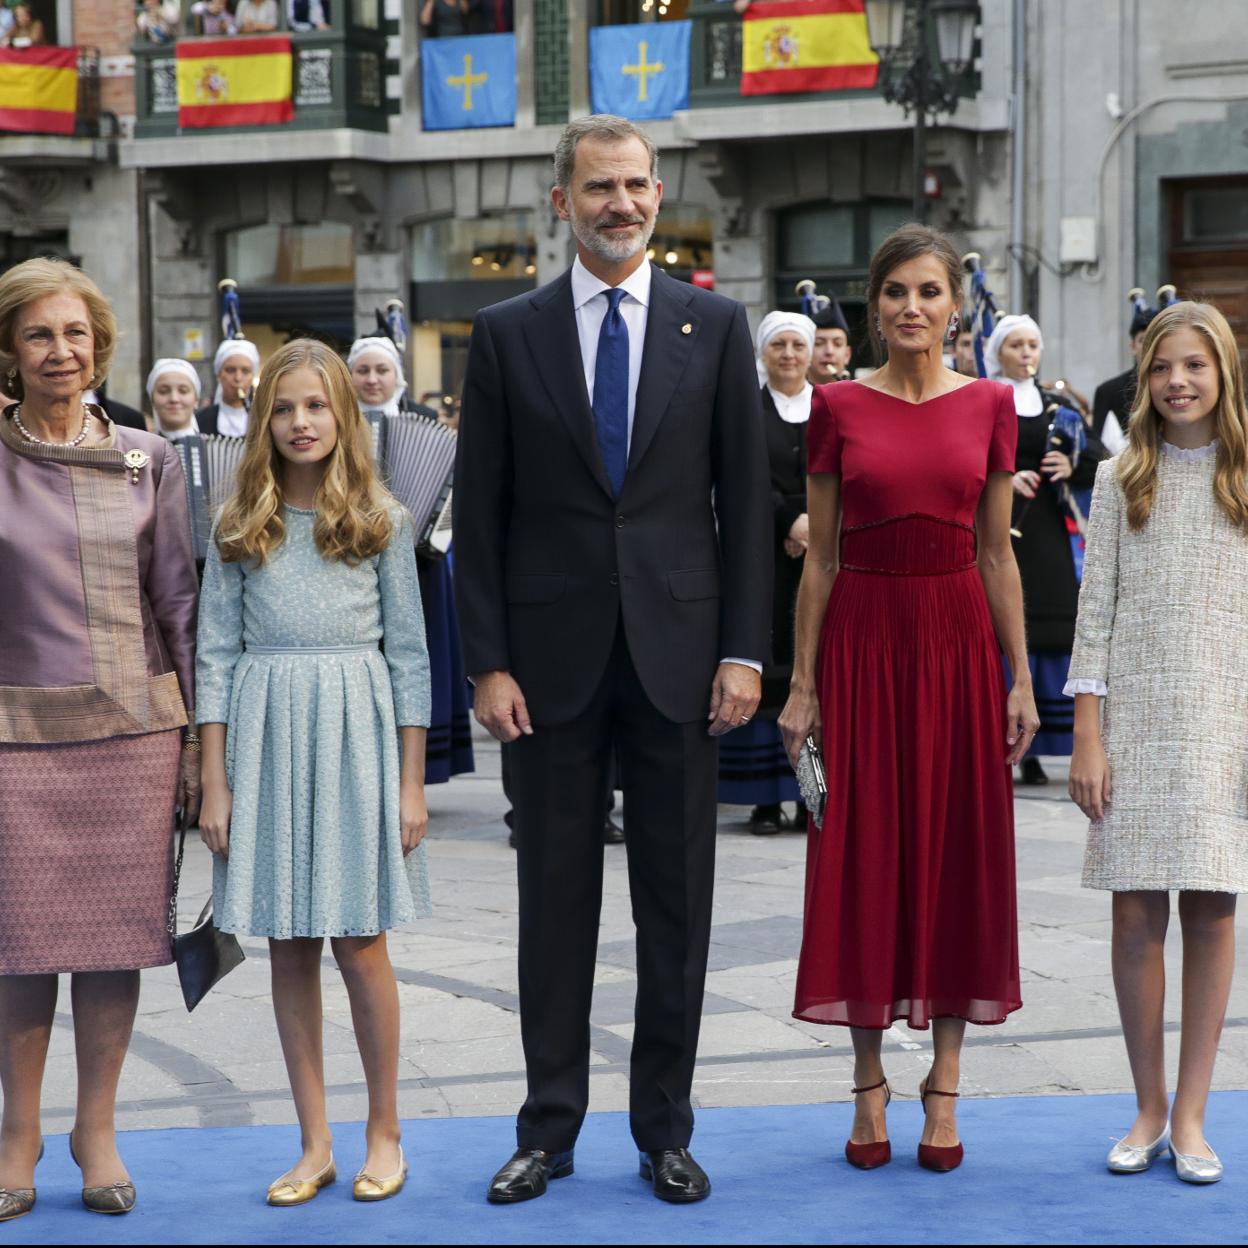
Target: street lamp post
[(901, 34)]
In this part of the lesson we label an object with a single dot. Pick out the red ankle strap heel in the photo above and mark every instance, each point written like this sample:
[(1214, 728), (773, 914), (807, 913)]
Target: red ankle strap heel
[(940, 1158), (879, 1153)]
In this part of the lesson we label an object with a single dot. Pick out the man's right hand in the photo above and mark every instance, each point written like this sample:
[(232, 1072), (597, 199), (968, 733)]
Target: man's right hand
[(500, 707)]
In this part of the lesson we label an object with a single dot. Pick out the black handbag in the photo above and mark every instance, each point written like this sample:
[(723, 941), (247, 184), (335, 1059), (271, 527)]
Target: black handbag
[(204, 955)]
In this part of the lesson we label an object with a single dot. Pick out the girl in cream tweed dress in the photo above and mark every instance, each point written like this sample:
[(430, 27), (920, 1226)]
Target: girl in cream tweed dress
[(1160, 679)]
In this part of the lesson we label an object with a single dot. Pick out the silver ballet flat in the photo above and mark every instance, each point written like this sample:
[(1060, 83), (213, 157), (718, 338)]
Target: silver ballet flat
[(1196, 1169), (1136, 1158)]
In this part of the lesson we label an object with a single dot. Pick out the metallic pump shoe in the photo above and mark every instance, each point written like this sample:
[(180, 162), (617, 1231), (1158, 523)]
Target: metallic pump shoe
[(112, 1198), (369, 1187), (1136, 1158), (1196, 1169), (291, 1191), (17, 1202)]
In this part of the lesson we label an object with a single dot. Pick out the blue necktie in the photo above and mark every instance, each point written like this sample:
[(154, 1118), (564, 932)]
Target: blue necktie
[(611, 391)]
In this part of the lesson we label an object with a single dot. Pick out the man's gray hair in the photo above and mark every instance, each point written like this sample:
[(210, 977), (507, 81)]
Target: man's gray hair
[(598, 126)]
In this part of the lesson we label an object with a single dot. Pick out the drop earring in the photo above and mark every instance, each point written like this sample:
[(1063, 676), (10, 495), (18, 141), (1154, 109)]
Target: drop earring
[(955, 323)]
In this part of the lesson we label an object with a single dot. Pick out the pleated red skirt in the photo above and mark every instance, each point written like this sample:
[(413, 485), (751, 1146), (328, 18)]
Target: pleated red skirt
[(911, 908)]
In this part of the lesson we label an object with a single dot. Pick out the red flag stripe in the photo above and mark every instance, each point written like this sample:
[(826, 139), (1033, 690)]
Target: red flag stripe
[(801, 8), (44, 58), (815, 78), (37, 120), (239, 45), (266, 113)]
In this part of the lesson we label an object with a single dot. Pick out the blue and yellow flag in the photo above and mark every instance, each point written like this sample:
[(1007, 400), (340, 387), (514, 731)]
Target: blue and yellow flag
[(468, 82), (640, 72)]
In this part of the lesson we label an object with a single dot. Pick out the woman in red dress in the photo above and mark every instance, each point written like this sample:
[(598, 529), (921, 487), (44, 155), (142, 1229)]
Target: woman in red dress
[(909, 596)]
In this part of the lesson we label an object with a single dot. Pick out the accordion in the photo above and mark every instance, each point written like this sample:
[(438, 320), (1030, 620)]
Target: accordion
[(415, 455)]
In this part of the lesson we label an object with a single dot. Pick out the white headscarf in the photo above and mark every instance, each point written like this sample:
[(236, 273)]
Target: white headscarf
[(1028, 400), (362, 346), (776, 323), (183, 369), (227, 350)]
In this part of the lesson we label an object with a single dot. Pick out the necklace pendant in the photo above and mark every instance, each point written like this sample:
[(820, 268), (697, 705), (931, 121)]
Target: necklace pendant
[(136, 460)]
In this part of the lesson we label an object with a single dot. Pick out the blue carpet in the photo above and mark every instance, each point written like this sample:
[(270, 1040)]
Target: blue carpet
[(1034, 1173)]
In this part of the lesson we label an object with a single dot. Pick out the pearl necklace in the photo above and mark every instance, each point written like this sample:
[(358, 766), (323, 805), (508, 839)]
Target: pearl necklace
[(30, 437)]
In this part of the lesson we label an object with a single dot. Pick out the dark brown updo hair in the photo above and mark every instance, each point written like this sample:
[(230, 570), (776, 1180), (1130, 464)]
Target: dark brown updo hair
[(904, 244)]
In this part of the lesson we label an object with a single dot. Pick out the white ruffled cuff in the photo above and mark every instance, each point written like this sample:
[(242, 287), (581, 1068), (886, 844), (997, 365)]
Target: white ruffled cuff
[(1083, 685)]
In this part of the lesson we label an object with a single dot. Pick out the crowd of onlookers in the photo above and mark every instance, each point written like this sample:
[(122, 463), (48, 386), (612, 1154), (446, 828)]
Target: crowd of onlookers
[(19, 27)]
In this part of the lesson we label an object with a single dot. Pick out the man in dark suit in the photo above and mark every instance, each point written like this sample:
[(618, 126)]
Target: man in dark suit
[(613, 574)]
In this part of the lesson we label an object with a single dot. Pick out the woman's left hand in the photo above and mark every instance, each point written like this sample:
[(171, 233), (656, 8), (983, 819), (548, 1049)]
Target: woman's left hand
[(1056, 466), (189, 784), (413, 815), (1023, 722)]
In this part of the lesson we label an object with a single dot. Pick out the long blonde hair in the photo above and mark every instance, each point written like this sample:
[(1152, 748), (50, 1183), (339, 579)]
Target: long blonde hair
[(354, 511), (1137, 465)]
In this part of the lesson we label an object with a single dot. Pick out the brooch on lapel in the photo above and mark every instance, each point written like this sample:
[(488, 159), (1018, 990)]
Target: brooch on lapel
[(686, 328), (135, 460)]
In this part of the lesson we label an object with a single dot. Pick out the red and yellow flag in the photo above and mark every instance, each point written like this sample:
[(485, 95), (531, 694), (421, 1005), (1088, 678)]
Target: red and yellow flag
[(38, 89), (806, 45), (244, 81)]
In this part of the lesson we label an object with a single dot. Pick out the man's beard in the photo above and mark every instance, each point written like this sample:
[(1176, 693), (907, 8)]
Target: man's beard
[(604, 246)]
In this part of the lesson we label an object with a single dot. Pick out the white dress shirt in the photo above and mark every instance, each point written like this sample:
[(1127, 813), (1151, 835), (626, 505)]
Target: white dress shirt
[(590, 302)]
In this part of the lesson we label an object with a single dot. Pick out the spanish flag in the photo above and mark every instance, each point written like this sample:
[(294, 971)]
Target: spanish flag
[(806, 45), (244, 81), (38, 89)]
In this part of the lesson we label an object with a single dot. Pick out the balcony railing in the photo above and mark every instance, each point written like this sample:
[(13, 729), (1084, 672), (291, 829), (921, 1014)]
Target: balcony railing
[(339, 81)]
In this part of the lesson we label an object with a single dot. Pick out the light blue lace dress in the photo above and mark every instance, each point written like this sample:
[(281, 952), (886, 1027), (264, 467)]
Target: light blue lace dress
[(289, 659)]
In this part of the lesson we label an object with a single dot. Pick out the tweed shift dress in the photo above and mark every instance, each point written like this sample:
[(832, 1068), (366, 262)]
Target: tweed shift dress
[(1162, 617)]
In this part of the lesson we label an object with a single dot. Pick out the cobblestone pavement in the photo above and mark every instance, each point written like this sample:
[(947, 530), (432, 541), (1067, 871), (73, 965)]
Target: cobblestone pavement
[(222, 1066)]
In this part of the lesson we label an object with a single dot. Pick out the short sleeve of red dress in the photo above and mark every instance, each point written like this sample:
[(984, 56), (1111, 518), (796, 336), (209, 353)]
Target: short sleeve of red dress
[(1003, 449), (823, 441)]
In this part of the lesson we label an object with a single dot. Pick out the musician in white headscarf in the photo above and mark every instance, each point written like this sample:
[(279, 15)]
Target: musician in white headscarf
[(1042, 539), (376, 367), (236, 366), (753, 767), (173, 389)]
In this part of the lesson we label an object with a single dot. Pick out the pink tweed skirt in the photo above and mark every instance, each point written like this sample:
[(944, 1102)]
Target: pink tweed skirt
[(86, 854)]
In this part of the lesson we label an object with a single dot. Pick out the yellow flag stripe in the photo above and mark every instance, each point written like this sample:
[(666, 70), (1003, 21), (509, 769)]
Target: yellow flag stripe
[(38, 86), (816, 41), (234, 79)]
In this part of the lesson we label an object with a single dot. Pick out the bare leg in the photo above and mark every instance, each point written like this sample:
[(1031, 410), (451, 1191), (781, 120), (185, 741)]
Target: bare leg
[(366, 970), (295, 966), (1140, 922), (870, 1126), (27, 1006), (1208, 921), (940, 1126), (105, 1004)]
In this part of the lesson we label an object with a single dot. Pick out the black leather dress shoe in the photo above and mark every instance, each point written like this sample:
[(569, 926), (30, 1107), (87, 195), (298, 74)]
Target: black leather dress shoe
[(675, 1175), (766, 820), (525, 1176), (612, 833)]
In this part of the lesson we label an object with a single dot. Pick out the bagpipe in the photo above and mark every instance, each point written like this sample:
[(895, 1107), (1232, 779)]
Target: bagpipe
[(813, 303), (1143, 314), (1066, 432), (232, 328)]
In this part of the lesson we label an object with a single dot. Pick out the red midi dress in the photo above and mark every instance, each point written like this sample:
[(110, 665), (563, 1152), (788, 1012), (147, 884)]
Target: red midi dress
[(911, 910)]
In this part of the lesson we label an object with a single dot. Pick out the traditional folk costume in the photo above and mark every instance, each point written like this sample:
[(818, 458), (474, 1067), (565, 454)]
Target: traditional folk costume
[(448, 751), (185, 369), (1046, 561), (230, 419), (97, 633), (754, 769)]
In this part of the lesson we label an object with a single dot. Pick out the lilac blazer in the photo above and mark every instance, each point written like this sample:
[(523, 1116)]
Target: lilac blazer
[(98, 592)]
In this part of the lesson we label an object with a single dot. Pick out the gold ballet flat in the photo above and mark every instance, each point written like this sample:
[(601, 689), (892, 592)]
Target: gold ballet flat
[(369, 1187), (293, 1191)]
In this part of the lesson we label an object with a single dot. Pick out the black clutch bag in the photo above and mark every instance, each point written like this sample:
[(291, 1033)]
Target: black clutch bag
[(204, 955)]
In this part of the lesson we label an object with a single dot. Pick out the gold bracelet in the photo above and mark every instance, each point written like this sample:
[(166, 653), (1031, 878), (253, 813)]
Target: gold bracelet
[(191, 744)]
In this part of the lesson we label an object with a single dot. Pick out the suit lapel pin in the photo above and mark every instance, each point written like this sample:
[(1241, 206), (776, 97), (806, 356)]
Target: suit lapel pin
[(686, 328)]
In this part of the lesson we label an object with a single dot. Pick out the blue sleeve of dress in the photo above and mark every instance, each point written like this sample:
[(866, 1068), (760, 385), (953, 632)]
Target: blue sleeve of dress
[(219, 645), (403, 629)]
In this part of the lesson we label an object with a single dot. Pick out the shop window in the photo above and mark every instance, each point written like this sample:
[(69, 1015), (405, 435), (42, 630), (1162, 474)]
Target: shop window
[(682, 243), (626, 12), (1215, 215), (291, 255)]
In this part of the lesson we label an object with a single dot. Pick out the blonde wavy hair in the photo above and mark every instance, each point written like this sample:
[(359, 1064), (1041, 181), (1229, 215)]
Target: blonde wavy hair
[(1137, 465), (354, 511), (36, 279)]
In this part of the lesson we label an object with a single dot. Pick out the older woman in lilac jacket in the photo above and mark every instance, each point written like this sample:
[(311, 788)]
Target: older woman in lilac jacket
[(97, 627)]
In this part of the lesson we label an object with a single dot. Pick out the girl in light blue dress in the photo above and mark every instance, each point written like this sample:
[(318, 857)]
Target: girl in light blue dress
[(314, 698)]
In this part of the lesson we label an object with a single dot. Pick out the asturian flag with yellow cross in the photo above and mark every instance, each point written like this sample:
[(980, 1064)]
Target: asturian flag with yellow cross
[(468, 82), (640, 72)]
